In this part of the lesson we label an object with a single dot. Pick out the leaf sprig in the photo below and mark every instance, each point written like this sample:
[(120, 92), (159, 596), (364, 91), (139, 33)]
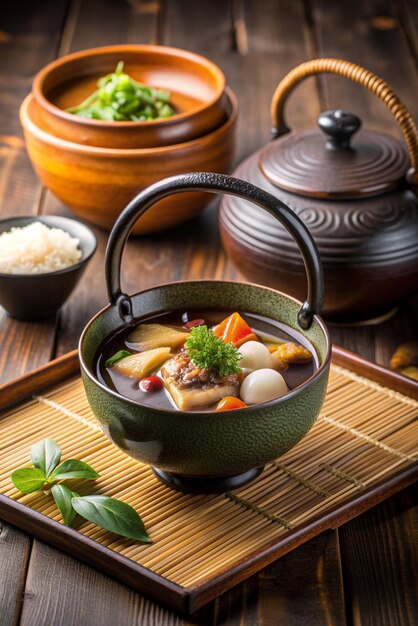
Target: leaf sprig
[(109, 513), (121, 354), (210, 352), (120, 98)]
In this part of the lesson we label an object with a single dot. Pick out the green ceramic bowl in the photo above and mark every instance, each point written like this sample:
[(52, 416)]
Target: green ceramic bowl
[(200, 451)]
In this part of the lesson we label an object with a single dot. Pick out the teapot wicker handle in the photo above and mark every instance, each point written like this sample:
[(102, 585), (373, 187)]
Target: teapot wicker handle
[(359, 75)]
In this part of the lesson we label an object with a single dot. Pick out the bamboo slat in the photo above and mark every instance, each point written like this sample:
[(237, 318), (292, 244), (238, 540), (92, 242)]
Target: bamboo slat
[(365, 433)]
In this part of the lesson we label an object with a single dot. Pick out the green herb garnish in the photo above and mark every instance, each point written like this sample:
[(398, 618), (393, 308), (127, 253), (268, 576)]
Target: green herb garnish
[(117, 357), (109, 513), (120, 98), (210, 352)]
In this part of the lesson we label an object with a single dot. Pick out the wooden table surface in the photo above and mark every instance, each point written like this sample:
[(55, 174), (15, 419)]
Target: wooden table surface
[(361, 574)]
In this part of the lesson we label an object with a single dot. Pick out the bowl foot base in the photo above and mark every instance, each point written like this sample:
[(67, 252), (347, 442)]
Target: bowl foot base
[(206, 484)]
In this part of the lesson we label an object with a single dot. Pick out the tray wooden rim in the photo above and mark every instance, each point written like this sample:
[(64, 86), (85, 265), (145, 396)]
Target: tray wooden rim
[(188, 599)]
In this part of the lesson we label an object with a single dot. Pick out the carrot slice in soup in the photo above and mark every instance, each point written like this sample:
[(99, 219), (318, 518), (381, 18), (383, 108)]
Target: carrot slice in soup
[(234, 329), (229, 403)]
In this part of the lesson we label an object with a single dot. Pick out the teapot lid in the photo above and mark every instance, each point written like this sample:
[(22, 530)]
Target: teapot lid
[(326, 163)]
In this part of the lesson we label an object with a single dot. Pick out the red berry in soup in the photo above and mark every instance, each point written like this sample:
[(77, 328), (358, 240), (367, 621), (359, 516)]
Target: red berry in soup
[(151, 384), (194, 323)]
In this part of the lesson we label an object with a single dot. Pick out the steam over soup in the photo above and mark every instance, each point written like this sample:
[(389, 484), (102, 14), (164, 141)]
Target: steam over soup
[(205, 360)]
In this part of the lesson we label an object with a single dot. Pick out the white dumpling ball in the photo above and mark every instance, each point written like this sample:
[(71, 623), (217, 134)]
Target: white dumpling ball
[(262, 386), (255, 356)]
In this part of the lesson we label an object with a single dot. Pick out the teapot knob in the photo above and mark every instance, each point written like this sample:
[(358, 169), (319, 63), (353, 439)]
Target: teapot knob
[(340, 126)]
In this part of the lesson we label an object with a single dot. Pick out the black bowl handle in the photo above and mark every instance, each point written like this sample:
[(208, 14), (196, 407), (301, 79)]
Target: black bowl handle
[(206, 181)]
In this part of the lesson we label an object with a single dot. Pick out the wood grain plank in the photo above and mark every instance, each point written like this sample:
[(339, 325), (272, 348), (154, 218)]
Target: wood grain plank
[(192, 250), (402, 327), (283, 594), (147, 261), (189, 251), (380, 554), (83, 595), (113, 22), (22, 388), (26, 44), (24, 345), (275, 39), (14, 553), (407, 12), (364, 32), (278, 39), (177, 254), (81, 547), (61, 591), (322, 601)]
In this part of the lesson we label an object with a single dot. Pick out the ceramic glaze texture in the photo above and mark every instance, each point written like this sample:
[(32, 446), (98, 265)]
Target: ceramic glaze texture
[(207, 444), (96, 183), (354, 189), (374, 164), (369, 249), (38, 296), (195, 83)]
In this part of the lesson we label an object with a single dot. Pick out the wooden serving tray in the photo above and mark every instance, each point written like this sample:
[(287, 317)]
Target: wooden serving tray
[(361, 450)]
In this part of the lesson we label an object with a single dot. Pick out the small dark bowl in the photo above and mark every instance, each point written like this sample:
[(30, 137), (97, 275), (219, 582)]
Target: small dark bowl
[(37, 296)]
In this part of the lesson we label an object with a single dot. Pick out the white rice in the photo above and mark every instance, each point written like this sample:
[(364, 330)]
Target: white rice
[(37, 249)]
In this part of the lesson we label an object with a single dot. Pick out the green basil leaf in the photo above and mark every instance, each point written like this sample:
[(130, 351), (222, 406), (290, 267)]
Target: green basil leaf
[(28, 479), (73, 469), (46, 455), (112, 515), (117, 357), (63, 496)]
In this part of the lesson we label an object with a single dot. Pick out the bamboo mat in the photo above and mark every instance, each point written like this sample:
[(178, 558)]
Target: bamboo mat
[(365, 433)]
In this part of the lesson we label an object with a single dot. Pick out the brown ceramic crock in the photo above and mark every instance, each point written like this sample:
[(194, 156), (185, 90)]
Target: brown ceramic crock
[(96, 183), (353, 188), (197, 88)]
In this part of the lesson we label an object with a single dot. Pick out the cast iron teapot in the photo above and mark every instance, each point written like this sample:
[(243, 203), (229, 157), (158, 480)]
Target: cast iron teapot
[(353, 188)]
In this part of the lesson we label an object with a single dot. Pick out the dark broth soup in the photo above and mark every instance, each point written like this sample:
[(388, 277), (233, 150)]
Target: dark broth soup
[(267, 330)]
